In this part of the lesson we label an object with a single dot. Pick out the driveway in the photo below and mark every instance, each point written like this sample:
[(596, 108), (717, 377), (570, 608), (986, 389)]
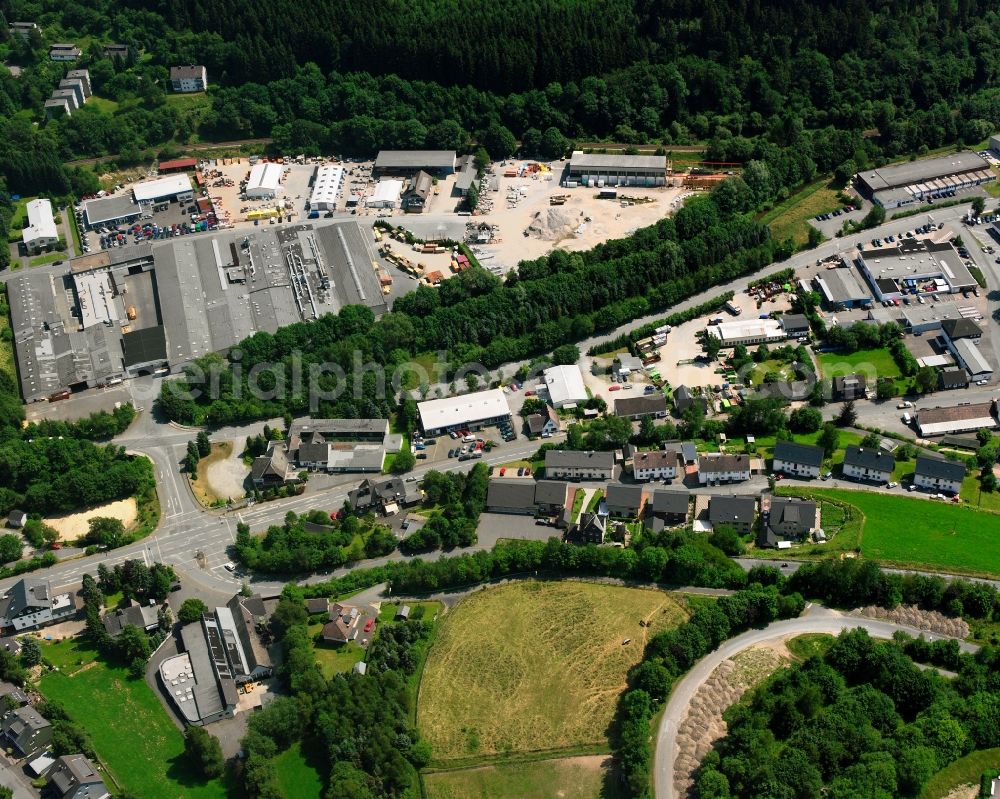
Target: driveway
[(815, 620)]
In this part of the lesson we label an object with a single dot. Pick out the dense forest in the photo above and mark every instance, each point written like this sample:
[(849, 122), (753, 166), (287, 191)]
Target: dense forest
[(862, 720)]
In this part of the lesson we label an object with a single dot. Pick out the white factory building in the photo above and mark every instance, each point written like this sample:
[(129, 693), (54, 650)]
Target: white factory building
[(265, 180), (170, 187), (747, 331), (386, 194), (41, 232), (468, 411), (565, 386), (327, 183)]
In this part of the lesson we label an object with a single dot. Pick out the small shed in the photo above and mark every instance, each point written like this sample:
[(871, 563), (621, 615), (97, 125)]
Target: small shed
[(403, 613), (16, 519)]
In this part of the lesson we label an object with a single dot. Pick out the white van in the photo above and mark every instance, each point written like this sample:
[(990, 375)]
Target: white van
[(468, 439), (906, 418)]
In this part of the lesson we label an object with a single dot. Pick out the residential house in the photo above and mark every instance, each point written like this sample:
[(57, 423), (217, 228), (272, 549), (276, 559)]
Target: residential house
[(591, 529), (16, 519), (870, 465), (9, 643), (684, 398), (550, 497), (623, 500), (795, 325), (30, 603), (791, 518), (116, 51), (715, 469), (385, 496), (64, 52), (736, 512), (317, 605), (689, 451), (145, 617), (74, 777), (273, 469), (343, 624), (624, 365), (657, 465), (849, 387), (543, 424), (511, 495), (192, 78), (23, 29), (797, 460), (417, 194), (634, 408), (666, 509), (937, 474), (579, 465), (949, 379), (11, 697), (26, 730)]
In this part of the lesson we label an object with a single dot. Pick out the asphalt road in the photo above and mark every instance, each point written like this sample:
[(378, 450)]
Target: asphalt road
[(815, 620)]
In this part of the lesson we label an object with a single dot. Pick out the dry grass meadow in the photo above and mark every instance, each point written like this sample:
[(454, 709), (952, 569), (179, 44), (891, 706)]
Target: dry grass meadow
[(534, 666)]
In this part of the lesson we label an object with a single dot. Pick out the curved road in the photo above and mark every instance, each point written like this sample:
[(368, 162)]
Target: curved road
[(815, 620)]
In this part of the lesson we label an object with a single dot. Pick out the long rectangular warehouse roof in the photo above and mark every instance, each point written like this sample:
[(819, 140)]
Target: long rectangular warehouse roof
[(581, 160), (167, 186), (905, 174), (327, 185), (438, 413), (415, 159)]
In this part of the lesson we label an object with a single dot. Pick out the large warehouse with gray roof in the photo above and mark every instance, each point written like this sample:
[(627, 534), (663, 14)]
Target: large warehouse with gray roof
[(915, 181), (599, 169)]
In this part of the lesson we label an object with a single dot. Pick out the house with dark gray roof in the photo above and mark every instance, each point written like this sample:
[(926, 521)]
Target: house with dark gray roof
[(684, 398), (145, 617), (31, 603), (579, 465), (950, 379), (791, 517), (14, 696), (26, 730), (870, 465), (797, 460), (937, 474), (591, 529), (16, 519), (961, 327), (666, 509), (654, 405), (736, 512), (623, 500), (715, 469), (543, 424), (511, 495), (849, 387), (272, 469), (795, 325), (74, 777), (550, 496), (383, 496), (663, 464)]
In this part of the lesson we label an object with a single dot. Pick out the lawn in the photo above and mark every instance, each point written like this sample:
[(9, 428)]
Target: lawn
[(534, 667), (972, 494), (791, 218), (841, 522), (132, 734), (296, 776), (770, 365), (6, 345), (47, 258), (578, 777), (104, 104), (578, 497), (923, 533), (966, 770), (805, 646), (334, 658), (871, 363), (595, 501), (18, 219)]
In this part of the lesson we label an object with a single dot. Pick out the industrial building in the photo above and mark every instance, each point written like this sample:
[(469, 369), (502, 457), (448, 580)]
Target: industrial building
[(839, 289), (956, 419), (177, 165), (386, 194), (914, 267), (564, 385), (102, 320), (189, 79), (468, 411), (41, 232), (407, 163), (917, 181), (747, 331), (597, 169), (328, 180), (264, 182), (115, 209), (171, 187)]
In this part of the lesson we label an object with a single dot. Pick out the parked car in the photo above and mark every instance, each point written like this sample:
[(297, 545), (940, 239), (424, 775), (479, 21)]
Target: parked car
[(369, 625)]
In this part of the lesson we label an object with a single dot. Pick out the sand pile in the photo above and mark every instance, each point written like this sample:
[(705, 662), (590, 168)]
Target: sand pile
[(554, 224)]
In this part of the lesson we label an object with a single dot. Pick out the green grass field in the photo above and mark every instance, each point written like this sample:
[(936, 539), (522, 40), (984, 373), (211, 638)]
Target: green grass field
[(964, 771), (577, 777), (18, 219), (6, 342), (534, 667), (296, 776), (129, 728), (790, 219), (805, 646), (924, 533), (872, 363), (972, 494), (47, 258)]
